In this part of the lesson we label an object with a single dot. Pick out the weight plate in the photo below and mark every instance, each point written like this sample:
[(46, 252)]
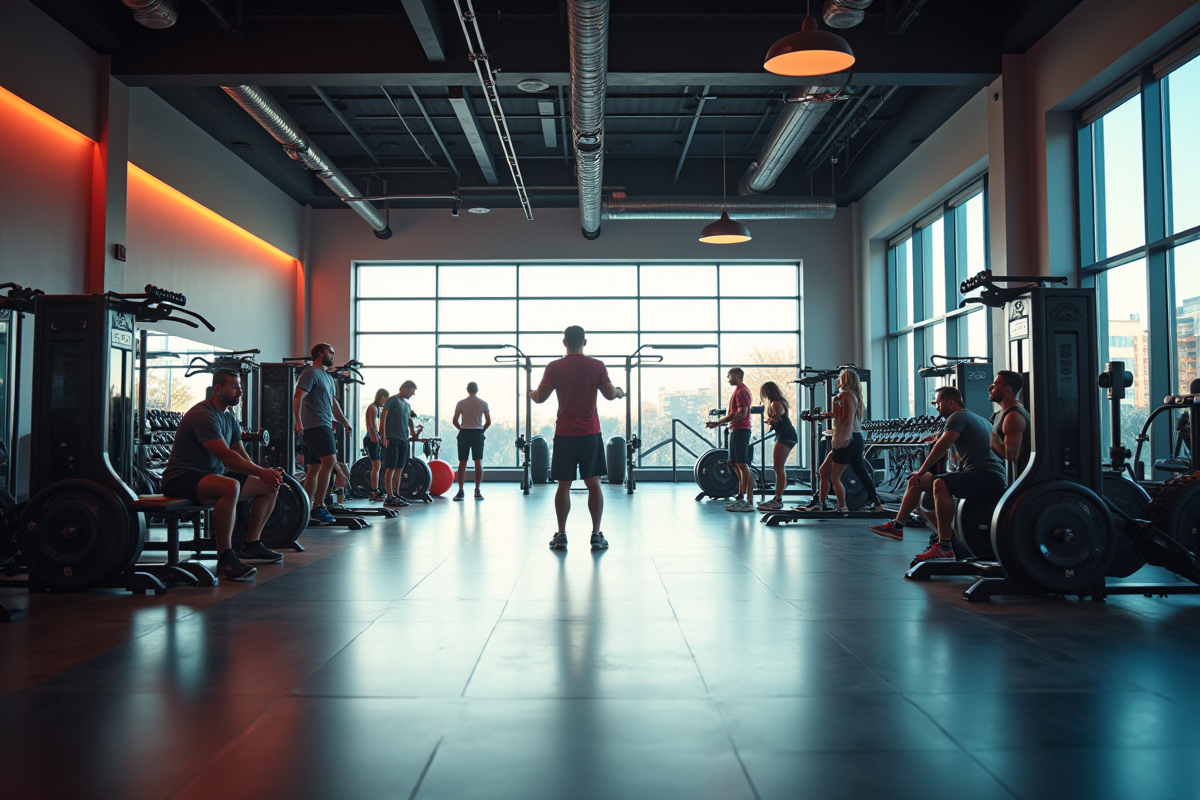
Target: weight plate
[(416, 478), (973, 524), (75, 534), (1176, 510), (1057, 534), (360, 478), (856, 493), (714, 475), (1133, 500), (288, 519)]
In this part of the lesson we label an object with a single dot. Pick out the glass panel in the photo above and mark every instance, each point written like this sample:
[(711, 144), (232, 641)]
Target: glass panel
[(775, 280), (578, 281), (1182, 105), (498, 388), (905, 376), (1186, 263), (974, 248), (391, 349), (937, 342), (759, 348), (600, 344), (762, 315), (1128, 341), (679, 315), (1120, 207), (599, 315), (396, 281), (705, 355), (977, 333), (675, 281), (396, 315), (910, 287), (483, 281), (477, 315), (684, 394), (903, 279), (935, 269)]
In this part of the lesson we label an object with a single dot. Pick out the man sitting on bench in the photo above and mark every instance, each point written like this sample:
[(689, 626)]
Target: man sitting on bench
[(210, 467), (980, 473)]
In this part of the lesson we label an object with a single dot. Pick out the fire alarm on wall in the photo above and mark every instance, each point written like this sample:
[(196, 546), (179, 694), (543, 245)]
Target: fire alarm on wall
[(119, 252)]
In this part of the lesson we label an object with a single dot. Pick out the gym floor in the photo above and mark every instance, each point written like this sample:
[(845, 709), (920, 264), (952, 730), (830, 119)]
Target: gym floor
[(450, 654)]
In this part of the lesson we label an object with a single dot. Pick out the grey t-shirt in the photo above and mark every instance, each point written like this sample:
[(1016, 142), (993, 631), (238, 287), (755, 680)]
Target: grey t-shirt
[(316, 409), (974, 443), (398, 414), (472, 410), (202, 423)]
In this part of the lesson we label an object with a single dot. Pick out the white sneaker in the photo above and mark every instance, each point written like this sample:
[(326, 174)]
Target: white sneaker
[(745, 505), (733, 505)]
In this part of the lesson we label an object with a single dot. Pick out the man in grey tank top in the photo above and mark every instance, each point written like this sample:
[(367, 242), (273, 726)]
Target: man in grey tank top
[(980, 473), (1010, 432)]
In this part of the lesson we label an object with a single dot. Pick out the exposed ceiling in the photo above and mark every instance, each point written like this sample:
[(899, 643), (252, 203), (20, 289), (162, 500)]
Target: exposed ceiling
[(677, 72)]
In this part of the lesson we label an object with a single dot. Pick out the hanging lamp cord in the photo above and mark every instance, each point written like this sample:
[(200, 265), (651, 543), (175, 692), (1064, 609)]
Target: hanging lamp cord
[(724, 194)]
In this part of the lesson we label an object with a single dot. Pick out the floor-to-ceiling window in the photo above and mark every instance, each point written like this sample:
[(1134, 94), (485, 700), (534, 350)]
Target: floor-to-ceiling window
[(444, 325), (1139, 203), (925, 265)]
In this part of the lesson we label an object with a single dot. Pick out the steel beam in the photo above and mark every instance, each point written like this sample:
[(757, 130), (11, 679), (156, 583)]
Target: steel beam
[(460, 101), (337, 112), (424, 18), (692, 132)]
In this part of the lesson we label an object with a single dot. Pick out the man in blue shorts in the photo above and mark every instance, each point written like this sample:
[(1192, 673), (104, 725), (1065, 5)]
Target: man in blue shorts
[(315, 407)]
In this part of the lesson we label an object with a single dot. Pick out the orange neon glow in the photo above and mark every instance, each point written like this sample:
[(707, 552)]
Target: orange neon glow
[(201, 217), (16, 112)]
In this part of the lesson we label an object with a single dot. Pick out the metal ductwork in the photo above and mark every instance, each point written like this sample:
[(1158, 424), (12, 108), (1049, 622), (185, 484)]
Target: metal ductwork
[(153, 13), (588, 30), (844, 13), (269, 114), (741, 208), (796, 123)]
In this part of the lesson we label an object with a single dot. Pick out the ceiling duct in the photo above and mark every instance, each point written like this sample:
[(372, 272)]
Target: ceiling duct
[(743, 208), (270, 115), (588, 31), (796, 123), (844, 13), (156, 14)]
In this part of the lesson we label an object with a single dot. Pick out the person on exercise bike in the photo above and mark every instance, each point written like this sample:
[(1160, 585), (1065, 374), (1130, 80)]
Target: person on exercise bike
[(980, 473), (1009, 439), (209, 466)]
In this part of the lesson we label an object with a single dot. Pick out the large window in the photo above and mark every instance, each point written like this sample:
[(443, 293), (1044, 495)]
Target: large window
[(410, 317), (926, 264), (1139, 169)]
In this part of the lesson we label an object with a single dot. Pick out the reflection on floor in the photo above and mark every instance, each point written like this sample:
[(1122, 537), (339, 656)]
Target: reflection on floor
[(450, 654)]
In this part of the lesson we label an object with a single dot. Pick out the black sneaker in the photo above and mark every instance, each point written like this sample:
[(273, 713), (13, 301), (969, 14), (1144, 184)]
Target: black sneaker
[(459, 496), (559, 542), (478, 495), (395, 502), (257, 551), (231, 568), (598, 541)]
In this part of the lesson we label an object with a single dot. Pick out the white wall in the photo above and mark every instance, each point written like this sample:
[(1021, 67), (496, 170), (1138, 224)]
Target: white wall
[(340, 238)]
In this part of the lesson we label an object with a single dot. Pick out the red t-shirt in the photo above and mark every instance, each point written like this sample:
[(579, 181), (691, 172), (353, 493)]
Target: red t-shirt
[(576, 378), (740, 400)]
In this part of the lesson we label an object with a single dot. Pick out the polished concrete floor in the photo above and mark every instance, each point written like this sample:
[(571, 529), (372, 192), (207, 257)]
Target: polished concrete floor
[(450, 654)]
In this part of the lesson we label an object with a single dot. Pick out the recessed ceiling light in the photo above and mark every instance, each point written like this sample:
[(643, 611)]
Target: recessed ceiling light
[(241, 145), (532, 85), (479, 210)]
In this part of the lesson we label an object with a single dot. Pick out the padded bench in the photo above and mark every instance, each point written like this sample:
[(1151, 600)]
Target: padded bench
[(174, 510)]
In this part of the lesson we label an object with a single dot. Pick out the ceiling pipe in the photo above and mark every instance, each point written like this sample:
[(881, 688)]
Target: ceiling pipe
[(157, 14), (743, 208), (270, 115), (796, 123), (588, 33), (844, 13)]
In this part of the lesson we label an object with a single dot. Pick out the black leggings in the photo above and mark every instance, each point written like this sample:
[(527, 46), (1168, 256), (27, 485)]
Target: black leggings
[(852, 456)]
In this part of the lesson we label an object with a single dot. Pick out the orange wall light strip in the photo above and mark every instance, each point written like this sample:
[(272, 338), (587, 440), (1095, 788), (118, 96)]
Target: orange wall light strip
[(18, 112), (142, 181)]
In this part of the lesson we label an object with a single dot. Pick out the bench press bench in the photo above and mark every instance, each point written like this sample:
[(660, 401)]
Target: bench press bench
[(174, 510)]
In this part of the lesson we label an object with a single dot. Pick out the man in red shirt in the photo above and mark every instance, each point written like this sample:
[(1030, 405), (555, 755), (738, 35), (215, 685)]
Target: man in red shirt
[(577, 443), (738, 418)]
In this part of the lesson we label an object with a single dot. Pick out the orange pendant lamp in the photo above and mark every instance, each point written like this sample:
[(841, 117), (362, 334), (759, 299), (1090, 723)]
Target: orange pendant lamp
[(809, 52), (724, 230)]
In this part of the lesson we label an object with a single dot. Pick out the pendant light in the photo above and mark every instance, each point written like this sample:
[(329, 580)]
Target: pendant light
[(724, 230), (809, 52)]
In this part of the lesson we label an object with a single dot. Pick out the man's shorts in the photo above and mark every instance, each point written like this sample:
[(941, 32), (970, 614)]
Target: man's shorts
[(319, 442), (186, 484), (973, 483), (470, 444), (583, 452), (396, 454), (739, 446), (371, 447)]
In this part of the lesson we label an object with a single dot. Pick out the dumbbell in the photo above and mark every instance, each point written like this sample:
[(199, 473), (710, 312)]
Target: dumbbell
[(262, 435)]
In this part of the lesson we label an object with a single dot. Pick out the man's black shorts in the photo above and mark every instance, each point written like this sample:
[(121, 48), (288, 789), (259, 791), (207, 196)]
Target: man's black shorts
[(739, 446), (319, 442), (470, 444), (396, 454), (371, 447), (583, 452), (973, 483), (185, 485)]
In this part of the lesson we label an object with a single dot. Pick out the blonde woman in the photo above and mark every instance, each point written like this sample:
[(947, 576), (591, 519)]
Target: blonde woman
[(847, 447)]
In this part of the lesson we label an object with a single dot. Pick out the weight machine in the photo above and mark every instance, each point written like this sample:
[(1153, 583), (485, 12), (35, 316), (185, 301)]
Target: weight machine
[(971, 375)]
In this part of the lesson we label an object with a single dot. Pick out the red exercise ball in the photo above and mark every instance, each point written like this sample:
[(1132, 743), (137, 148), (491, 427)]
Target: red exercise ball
[(443, 477)]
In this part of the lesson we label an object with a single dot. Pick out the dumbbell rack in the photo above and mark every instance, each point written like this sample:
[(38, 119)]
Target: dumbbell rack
[(905, 440), (158, 435)]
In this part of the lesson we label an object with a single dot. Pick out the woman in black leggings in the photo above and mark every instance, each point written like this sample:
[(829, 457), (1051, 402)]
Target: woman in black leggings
[(847, 448), (785, 439)]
